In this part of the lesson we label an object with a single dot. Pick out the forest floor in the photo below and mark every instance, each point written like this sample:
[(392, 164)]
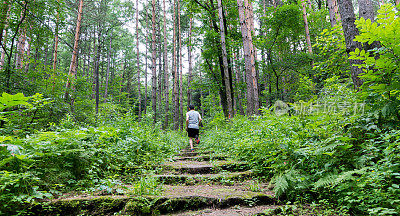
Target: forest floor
[(193, 183)]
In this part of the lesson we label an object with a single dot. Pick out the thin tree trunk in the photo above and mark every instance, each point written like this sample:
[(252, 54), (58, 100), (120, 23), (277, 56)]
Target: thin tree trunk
[(3, 53), (72, 68), (189, 94), (180, 69), (123, 68), (166, 76), (201, 95), (4, 11), (138, 60), (309, 46), (176, 77), (56, 38), (21, 49), (160, 74), (96, 73), (145, 69), (225, 60), (350, 31), (28, 53), (160, 64), (238, 80), (154, 63), (108, 68)]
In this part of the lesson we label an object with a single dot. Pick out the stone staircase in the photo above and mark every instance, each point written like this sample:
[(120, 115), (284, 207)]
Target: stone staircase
[(194, 183)]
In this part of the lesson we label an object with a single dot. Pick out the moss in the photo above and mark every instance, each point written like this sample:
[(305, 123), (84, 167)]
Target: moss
[(187, 203), (138, 206), (97, 206)]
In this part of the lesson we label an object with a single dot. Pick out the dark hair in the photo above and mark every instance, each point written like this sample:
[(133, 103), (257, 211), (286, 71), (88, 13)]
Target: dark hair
[(191, 107)]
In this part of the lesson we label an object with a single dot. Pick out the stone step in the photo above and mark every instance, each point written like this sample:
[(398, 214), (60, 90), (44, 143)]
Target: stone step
[(231, 211), (204, 167), (202, 158), (195, 153), (173, 199), (189, 179)]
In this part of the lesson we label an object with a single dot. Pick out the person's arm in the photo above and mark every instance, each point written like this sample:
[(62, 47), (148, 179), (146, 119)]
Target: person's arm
[(200, 119), (187, 121)]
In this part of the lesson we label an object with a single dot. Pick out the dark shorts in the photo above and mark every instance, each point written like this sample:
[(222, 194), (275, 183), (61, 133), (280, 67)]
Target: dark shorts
[(192, 132)]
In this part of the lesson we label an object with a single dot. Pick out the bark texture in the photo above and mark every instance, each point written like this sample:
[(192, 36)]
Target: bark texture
[(166, 76), (176, 77), (189, 94), (309, 46), (225, 60), (180, 69), (252, 84), (366, 9), (138, 61), (72, 68), (56, 38), (154, 65), (332, 12), (350, 30)]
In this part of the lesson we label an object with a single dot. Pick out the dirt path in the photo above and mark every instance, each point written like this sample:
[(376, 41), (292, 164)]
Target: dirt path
[(228, 185), (193, 183)]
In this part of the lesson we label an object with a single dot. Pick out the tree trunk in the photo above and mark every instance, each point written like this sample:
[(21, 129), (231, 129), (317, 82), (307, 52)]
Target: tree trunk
[(145, 69), (366, 9), (3, 28), (252, 85), (201, 96), (180, 69), (238, 80), (96, 73), (4, 11), (397, 2), (309, 46), (28, 53), (176, 77), (250, 18), (154, 63), (350, 30), (56, 38), (332, 12), (108, 68), (138, 60), (166, 76), (189, 95), (225, 60), (72, 68), (160, 74), (3, 53), (21, 49)]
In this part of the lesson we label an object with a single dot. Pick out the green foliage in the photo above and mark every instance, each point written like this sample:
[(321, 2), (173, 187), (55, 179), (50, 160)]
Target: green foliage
[(331, 56), (343, 157), (75, 158), (20, 114), (381, 65)]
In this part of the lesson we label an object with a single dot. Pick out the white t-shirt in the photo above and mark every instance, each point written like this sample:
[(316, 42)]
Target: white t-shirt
[(194, 118)]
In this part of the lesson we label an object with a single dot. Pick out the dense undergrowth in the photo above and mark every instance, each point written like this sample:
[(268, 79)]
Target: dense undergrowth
[(325, 150), (69, 158)]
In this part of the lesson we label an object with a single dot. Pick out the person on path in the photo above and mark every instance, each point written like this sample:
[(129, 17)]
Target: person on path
[(193, 120)]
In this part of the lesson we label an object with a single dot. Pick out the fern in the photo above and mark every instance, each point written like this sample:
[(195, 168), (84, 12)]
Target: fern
[(286, 181), (281, 185), (335, 179)]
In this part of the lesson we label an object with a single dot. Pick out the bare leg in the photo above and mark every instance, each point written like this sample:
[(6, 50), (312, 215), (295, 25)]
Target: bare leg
[(191, 142)]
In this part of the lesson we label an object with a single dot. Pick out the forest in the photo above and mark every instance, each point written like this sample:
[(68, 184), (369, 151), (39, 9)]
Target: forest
[(300, 101)]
